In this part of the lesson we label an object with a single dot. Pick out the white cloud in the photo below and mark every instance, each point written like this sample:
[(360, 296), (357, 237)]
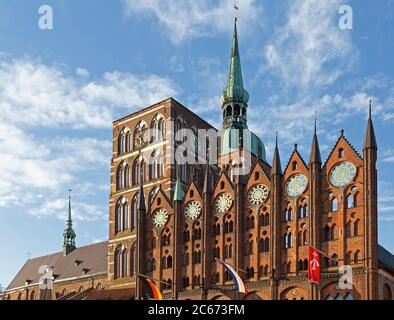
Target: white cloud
[(311, 49), (46, 100), (58, 208), (34, 94), (82, 72), (185, 19)]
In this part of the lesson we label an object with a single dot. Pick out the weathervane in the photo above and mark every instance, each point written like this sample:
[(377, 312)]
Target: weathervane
[(235, 8)]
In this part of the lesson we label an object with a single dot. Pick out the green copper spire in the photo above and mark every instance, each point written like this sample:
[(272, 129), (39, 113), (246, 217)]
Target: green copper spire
[(69, 233), (178, 193), (234, 91)]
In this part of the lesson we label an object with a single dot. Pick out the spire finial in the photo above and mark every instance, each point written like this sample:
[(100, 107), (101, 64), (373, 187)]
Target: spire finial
[(276, 137), (69, 221), (69, 233), (234, 92), (316, 113), (370, 137), (342, 132)]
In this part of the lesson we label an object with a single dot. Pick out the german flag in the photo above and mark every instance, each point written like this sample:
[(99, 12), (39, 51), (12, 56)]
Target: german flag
[(156, 292)]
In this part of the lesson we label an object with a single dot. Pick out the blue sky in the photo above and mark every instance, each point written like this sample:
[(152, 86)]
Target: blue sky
[(60, 90)]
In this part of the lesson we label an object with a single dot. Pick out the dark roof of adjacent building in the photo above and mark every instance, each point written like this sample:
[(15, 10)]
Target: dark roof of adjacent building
[(83, 261), (386, 258)]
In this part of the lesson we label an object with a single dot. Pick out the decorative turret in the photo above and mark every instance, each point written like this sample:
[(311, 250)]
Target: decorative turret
[(69, 233), (276, 165), (315, 156), (370, 138), (178, 193)]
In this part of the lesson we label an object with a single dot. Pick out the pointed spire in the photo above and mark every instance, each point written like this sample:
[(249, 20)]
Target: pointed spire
[(69, 220), (234, 91), (370, 137), (276, 165), (315, 156), (178, 193), (69, 233)]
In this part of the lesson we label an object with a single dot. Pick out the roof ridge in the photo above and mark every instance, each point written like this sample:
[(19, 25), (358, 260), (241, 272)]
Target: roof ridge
[(342, 136), (291, 156)]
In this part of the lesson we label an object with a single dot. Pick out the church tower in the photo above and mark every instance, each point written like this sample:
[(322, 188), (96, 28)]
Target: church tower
[(236, 137), (69, 233)]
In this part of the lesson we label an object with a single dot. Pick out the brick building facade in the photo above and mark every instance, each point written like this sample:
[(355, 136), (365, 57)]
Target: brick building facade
[(170, 221)]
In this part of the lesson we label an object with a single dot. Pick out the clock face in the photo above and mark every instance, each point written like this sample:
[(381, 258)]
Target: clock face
[(192, 210), (160, 218), (223, 202), (258, 194), (296, 185), (342, 174)]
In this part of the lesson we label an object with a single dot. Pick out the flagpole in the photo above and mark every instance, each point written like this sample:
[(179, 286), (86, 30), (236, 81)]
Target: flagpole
[(238, 269), (150, 278), (323, 253)]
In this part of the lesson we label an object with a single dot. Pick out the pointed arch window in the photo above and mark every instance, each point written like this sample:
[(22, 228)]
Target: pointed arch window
[(121, 215), (334, 204), (357, 257), (138, 163), (216, 229), (288, 239), (228, 251), (121, 140), (124, 263), (264, 245), (122, 176), (351, 201), (289, 214), (120, 262), (330, 233), (356, 228), (304, 211), (228, 226)]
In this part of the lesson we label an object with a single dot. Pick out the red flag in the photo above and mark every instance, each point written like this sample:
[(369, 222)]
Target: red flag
[(314, 266)]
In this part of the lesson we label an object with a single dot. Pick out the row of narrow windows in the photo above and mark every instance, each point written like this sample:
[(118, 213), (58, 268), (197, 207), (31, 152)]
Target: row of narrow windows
[(125, 262), (329, 234), (124, 179), (155, 134)]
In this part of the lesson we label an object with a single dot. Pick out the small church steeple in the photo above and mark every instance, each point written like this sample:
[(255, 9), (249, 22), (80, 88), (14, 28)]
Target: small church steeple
[(276, 165), (370, 137), (315, 156), (69, 233), (235, 98)]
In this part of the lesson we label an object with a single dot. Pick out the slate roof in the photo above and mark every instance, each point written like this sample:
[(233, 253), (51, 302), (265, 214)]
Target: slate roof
[(385, 258), (91, 259)]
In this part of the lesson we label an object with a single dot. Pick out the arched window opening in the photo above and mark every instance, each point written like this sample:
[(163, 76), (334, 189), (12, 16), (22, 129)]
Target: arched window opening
[(357, 257), (289, 214), (334, 205), (264, 245), (121, 141), (351, 201), (294, 165), (387, 292), (216, 229), (341, 153), (356, 228)]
